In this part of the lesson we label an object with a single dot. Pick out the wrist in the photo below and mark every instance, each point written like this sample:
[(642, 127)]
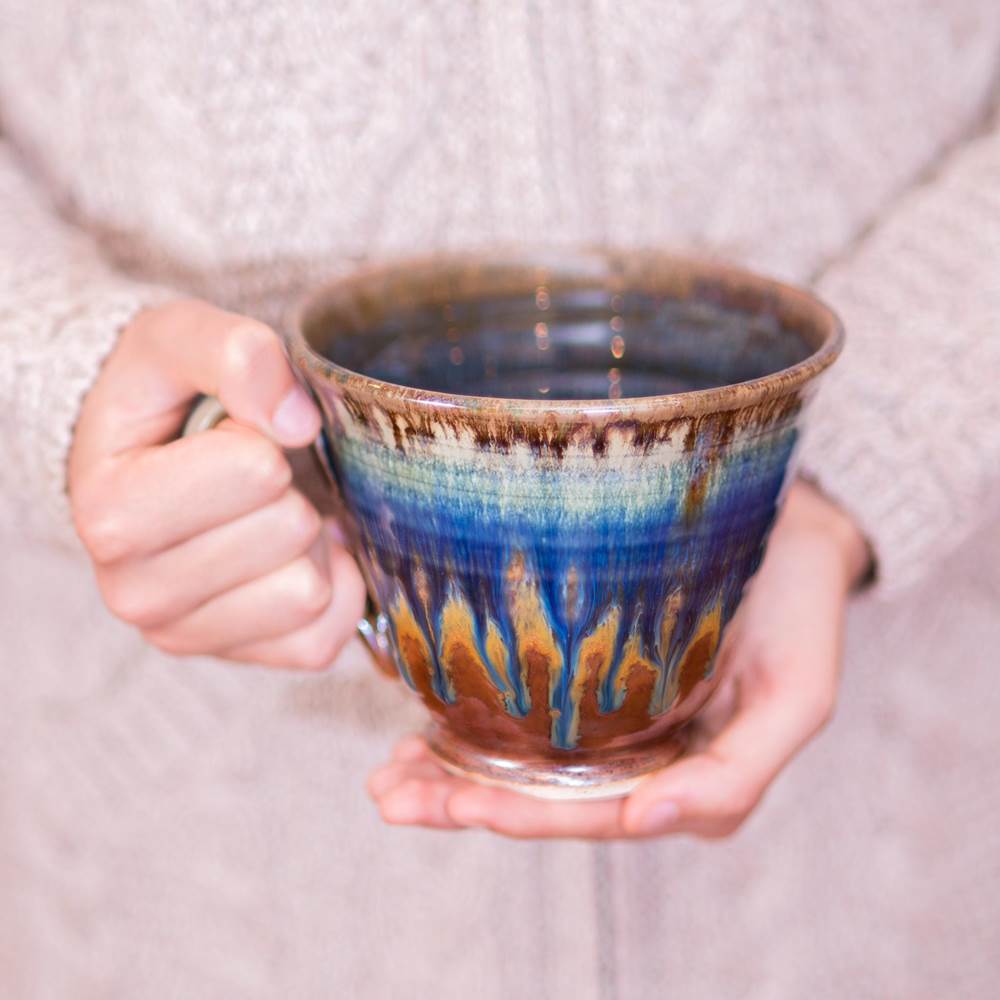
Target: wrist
[(813, 518)]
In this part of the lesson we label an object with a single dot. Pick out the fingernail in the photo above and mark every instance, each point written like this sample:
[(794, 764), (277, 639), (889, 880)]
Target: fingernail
[(295, 419), (658, 818)]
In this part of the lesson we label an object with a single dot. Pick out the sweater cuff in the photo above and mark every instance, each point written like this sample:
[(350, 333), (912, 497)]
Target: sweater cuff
[(75, 345), (880, 511), (905, 430)]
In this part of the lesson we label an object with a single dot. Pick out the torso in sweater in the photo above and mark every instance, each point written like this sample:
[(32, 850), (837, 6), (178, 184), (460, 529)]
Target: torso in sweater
[(199, 831), (236, 150)]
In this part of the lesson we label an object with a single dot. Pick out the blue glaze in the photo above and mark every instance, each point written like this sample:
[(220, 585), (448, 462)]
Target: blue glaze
[(441, 523), (559, 546)]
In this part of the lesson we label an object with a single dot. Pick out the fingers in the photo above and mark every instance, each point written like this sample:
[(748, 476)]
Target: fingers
[(709, 793), (316, 645), (391, 775), (268, 606), (411, 758), (152, 590), (415, 790), (156, 498), (225, 570), (514, 815), (713, 792), (202, 542), (783, 652), (420, 800), (411, 748), (170, 354)]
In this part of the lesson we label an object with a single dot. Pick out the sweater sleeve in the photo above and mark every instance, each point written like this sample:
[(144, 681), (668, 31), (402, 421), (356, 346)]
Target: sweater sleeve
[(905, 433), (61, 309)]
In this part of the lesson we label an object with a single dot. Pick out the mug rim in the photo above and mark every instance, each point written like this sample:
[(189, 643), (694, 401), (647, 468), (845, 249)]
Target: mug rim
[(695, 402)]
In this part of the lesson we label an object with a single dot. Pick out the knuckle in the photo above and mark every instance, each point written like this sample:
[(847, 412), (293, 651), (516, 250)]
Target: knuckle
[(302, 518), (166, 642), (741, 802), (104, 534), (310, 588), (351, 586), (267, 467), (245, 344), (129, 601), (408, 799), (318, 653)]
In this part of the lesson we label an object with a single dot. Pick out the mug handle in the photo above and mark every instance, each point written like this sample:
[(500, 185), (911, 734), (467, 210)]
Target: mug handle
[(316, 484)]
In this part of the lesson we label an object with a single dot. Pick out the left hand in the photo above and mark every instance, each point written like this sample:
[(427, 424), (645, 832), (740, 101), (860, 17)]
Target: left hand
[(780, 661), (205, 543)]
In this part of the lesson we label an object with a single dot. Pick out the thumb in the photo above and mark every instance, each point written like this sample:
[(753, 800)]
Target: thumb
[(713, 791), (170, 354)]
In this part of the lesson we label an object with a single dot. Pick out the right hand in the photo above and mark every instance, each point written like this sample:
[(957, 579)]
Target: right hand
[(203, 542)]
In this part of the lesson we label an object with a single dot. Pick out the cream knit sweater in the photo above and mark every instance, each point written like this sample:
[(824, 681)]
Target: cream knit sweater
[(242, 151)]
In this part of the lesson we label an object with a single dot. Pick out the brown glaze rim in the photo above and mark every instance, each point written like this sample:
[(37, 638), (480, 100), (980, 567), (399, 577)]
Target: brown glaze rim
[(518, 271)]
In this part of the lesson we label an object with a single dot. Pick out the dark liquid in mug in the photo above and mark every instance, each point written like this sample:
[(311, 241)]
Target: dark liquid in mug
[(577, 345)]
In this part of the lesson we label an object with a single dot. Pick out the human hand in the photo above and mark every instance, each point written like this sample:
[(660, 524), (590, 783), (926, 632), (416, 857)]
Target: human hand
[(780, 662), (203, 542)]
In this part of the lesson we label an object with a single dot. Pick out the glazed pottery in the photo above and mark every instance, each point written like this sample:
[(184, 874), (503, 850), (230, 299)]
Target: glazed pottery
[(557, 573)]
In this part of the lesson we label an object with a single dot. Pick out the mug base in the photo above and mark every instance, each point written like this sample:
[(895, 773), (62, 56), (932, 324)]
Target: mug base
[(580, 775)]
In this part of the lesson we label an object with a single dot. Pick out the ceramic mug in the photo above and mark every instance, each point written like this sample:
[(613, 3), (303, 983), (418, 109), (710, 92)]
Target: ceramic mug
[(559, 471)]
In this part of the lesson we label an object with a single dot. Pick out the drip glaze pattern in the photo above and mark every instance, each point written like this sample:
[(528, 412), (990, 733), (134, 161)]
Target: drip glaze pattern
[(558, 574)]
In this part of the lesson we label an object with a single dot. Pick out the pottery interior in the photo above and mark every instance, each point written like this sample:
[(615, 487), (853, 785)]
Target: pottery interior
[(561, 472)]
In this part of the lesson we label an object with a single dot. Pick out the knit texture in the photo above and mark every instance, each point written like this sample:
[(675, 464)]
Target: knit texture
[(245, 151), (61, 309), (191, 830), (906, 432)]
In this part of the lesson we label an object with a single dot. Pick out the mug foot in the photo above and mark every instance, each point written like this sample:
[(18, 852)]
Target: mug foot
[(570, 776)]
